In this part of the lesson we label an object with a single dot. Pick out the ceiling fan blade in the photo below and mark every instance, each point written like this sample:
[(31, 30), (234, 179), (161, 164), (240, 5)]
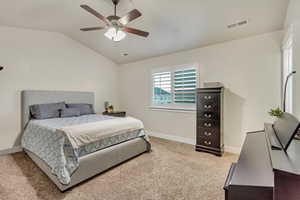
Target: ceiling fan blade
[(92, 28), (95, 13), (136, 31), (132, 15)]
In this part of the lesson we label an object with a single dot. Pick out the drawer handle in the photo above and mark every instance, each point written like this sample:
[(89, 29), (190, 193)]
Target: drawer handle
[(207, 106), (207, 124), (207, 142), (207, 115), (207, 97), (207, 133)]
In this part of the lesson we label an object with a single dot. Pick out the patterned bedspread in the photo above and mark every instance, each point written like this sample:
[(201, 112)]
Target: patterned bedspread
[(42, 138)]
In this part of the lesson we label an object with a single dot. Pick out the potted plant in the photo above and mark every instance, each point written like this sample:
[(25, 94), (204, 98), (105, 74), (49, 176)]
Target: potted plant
[(277, 112), (110, 109)]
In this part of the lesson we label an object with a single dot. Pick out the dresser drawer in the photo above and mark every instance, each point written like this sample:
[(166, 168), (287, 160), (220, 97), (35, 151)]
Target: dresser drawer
[(208, 97), (208, 106), (208, 115), (210, 135), (208, 132), (208, 142), (208, 124)]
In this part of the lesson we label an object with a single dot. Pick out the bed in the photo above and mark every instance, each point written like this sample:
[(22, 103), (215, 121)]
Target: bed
[(71, 150)]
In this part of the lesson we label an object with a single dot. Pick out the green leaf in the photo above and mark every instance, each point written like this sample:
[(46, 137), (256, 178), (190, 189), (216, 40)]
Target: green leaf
[(276, 112)]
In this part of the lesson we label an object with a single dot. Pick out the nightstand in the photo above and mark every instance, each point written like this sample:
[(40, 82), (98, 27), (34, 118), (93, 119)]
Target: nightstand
[(116, 113)]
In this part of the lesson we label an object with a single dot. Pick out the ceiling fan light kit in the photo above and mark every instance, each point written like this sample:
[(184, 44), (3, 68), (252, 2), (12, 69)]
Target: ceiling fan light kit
[(115, 34), (115, 26)]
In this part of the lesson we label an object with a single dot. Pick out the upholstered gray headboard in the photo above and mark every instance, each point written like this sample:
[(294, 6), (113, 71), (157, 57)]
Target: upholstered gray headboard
[(31, 97)]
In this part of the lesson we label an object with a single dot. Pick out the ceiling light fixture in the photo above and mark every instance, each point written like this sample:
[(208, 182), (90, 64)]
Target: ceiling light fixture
[(115, 26), (115, 34)]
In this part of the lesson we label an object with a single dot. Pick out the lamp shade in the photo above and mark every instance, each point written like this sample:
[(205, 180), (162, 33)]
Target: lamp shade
[(115, 34)]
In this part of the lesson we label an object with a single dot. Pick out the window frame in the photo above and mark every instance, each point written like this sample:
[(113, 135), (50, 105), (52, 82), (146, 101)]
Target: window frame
[(173, 106)]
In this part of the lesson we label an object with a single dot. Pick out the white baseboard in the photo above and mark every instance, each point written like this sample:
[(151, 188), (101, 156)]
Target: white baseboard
[(172, 137), (11, 150), (229, 149)]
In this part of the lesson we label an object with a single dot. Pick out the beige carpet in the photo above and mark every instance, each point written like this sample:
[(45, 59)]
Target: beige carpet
[(171, 171)]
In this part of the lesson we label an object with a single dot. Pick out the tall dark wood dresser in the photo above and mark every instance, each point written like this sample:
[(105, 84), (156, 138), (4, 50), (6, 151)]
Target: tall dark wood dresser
[(210, 120)]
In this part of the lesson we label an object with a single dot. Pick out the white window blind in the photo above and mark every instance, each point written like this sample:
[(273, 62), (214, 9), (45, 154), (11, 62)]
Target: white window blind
[(185, 83), (162, 88), (175, 87)]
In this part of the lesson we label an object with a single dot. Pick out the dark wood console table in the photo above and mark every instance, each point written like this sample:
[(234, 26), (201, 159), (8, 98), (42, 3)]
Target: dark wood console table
[(263, 173)]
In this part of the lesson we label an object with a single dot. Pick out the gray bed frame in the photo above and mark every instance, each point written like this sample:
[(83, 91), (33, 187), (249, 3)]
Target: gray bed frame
[(91, 164)]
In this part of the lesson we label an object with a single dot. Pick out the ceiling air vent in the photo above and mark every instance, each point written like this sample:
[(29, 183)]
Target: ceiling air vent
[(241, 23)]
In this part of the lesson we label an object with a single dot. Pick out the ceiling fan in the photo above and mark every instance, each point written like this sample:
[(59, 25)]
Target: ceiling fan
[(115, 25)]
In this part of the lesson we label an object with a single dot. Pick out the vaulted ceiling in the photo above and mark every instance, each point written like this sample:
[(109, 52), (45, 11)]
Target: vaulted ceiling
[(174, 25)]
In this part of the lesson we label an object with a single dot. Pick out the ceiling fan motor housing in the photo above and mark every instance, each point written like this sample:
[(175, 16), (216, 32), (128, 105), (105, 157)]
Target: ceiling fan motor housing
[(113, 18)]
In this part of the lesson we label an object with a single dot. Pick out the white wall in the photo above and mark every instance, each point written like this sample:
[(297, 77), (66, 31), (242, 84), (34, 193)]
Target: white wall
[(293, 28), (249, 68), (39, 60), (293, 14)]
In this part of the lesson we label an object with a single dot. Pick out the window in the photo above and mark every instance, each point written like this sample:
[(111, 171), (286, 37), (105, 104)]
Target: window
[(185, 83), (162, 88), (174, 87), (287, 69)]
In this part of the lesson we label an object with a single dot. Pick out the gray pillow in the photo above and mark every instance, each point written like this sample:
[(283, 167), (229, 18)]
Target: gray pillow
[(85, 109), (69, 112), (46, 111)]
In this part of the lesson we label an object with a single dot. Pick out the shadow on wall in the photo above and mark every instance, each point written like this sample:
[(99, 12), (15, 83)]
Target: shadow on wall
[(17, 142), (18, 139), (233, 117)]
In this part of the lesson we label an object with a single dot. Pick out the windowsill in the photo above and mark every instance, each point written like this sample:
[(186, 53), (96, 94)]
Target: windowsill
[(172, 109)]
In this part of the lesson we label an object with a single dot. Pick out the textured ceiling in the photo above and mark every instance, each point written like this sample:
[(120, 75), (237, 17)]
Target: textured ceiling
[(174, 25)]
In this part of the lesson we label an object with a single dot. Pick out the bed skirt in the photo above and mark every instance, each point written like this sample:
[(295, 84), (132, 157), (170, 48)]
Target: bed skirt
[(97, 162)]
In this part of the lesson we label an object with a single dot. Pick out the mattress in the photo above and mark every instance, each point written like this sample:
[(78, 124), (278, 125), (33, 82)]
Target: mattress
[(42, 138)]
